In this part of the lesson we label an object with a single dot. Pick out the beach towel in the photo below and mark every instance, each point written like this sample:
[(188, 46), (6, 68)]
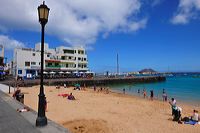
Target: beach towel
[(191, 122), (63, 95)]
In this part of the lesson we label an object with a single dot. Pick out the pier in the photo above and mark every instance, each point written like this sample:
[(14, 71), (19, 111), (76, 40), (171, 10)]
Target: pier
[(86, 81)]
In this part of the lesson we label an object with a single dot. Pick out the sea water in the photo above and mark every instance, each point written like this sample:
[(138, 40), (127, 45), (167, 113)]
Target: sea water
[(184, 88)]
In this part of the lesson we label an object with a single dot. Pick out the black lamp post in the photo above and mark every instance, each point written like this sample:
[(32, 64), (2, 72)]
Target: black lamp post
[(43, 12)]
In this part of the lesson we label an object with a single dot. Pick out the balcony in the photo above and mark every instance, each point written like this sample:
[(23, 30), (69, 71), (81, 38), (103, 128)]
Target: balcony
[(51, 66)]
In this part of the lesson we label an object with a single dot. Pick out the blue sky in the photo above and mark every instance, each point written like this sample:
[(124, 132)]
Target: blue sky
[(159, 34)]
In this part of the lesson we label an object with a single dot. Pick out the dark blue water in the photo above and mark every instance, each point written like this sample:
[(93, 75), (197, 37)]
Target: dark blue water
[(183, 88)]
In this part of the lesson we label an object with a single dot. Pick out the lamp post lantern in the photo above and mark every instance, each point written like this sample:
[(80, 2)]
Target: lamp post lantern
[(43, 13)]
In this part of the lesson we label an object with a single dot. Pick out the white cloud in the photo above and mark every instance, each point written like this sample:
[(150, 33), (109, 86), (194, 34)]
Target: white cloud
[(75, 21), (156, 2), (187, 10), (10, 43)]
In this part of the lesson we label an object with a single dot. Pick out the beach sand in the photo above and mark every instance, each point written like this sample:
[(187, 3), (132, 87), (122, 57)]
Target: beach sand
[(94, 112)]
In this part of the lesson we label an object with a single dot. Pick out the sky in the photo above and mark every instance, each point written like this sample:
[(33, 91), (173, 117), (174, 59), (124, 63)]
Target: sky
[(160, 34)]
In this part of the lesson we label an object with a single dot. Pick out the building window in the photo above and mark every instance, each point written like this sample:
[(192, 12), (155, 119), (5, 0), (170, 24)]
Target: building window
[(33, 54), (49, 64), (79, 58), (39, 63), (27, 63), (84, 59), (70, 57), (66, 65), (19, 71), (62, 57), (67, 51), (80, 52), (48, 55), (33, 63), (56, 64)]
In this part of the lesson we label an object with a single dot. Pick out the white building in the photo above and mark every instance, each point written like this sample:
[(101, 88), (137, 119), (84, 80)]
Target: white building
[(26, 62)]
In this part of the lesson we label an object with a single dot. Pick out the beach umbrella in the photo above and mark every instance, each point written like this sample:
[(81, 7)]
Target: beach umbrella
[(52, 72), (81, 72), (61, 72), (45, 72), (87, 72), (75, 72), (67, 72)]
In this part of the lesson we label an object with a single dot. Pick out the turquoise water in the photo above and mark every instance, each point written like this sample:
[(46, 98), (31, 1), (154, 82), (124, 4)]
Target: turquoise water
[(183, 88)]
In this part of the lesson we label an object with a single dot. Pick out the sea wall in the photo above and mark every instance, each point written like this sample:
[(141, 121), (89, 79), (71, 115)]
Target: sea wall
[(87, 82)]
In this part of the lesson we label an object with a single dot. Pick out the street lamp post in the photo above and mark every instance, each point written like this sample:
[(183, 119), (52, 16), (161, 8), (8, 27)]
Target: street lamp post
[(43, 12)]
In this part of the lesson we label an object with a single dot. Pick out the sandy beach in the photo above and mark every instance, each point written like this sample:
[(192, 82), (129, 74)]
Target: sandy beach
[(98, 112)]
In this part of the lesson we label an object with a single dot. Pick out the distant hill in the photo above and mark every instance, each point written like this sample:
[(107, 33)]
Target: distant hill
[(149, 70)]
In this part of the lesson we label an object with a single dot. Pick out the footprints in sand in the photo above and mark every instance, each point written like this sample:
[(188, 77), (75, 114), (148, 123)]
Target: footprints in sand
[(87, 126)]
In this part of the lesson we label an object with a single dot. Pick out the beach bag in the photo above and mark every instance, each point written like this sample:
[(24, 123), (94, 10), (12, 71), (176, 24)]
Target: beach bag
[(186, 119), (177, 115)]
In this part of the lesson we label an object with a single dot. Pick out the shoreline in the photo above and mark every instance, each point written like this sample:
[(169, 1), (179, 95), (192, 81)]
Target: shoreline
[(113, 113), (134, 94)]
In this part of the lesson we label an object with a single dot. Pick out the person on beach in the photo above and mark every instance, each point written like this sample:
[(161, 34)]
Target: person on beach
[(124, 90), (65, 86), (16, 94), (192, 120), (151, 94), (173, 105), (195, 116), (138, 91), (177, 114), (144, 93), (45, 104), (164, 97), (25, 109), (163, 91), (95, 88), (71, 97)]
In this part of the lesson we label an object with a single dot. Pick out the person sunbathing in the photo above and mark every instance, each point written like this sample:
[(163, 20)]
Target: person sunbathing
[(71, 97), (192, 120), (195, 116), (25, 109)]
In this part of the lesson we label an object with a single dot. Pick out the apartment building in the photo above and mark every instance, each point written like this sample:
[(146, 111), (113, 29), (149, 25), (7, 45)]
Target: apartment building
[(26, 61)]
